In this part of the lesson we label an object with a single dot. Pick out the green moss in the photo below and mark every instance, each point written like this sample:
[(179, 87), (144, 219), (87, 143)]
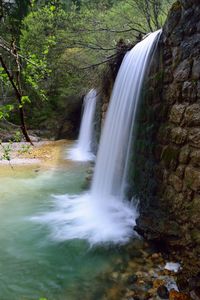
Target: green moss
[(159, 76), (176, 6), (169, 155), (195, 234), (189, 181)]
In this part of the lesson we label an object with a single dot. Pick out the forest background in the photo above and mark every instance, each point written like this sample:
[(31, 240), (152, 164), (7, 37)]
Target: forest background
[(53, 52)]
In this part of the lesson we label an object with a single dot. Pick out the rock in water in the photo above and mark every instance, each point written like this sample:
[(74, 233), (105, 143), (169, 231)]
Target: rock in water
[(174, 295), (162, 292), (132, 279)]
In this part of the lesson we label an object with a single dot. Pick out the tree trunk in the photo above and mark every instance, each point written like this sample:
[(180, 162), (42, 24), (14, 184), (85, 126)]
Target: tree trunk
[(18, 94)]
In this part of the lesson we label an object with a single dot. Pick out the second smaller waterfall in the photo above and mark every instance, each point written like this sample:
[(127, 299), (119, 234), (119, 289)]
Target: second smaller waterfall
[(82, 150), (103, 214)]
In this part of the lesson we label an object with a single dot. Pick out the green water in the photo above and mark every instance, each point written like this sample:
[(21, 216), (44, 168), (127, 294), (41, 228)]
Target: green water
[(32, 265)]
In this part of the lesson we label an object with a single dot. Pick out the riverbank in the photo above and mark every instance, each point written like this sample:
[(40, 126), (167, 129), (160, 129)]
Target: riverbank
[(140, 273), (47, 154), (145, 274)]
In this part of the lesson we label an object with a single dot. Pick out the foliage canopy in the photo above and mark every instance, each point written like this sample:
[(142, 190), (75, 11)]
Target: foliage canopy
[(63, 46)]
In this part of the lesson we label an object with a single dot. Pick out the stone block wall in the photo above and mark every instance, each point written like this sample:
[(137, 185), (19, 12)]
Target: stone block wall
[(170, 194), (165, 162)]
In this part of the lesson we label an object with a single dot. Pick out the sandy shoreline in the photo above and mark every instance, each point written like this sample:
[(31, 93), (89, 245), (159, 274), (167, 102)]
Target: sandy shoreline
[(42, 154)]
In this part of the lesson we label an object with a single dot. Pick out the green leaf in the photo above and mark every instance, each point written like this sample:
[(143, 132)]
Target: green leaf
[(5, 110), (25, 99), (52, 8)]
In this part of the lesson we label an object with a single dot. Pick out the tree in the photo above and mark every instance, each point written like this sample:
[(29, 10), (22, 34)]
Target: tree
[(153, 11), (66, 44), (12, 13), (14, 78)]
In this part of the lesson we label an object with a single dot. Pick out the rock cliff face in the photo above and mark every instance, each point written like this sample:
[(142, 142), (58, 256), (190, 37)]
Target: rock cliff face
[(165, 163), (167, 147)]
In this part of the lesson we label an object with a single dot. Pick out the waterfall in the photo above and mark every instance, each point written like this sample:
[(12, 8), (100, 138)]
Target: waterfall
[(103, 215), (82, 150), (114, 144)]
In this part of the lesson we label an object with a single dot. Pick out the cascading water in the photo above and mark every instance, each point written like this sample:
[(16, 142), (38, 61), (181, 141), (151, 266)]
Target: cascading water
[(103, 215), (82, 151), (114, 144)]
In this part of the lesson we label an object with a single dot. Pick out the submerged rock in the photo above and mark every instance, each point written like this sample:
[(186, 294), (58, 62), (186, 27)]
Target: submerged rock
[(174, 295), (195, 294), (132, 279), (162, 292)]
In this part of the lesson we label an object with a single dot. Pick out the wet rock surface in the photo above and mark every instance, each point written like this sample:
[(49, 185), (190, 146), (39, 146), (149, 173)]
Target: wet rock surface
[(169, 140), (165, 168), (141, 274)]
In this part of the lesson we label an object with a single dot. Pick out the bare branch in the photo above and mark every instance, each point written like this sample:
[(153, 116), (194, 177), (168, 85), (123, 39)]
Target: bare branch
[(89, 46), (10, 123), (108, 59), (5, 46), (108, 30)]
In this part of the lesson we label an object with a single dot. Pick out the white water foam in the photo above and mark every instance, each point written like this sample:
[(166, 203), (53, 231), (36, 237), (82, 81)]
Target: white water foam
[(79, 217), (103, 215)]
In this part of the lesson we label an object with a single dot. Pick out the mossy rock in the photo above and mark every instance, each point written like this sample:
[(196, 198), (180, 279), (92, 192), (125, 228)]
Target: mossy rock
[(170, 156), (195, 234), (176, 6)]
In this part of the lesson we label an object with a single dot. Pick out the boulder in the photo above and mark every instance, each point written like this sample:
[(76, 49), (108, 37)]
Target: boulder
[(194, 137), (162, 292), (192, 178), (176, 113), (192, 115), (176, 182), (189, 91), (184, 154), (195, 158), (178, 135), (196, 69), (182, 71)]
